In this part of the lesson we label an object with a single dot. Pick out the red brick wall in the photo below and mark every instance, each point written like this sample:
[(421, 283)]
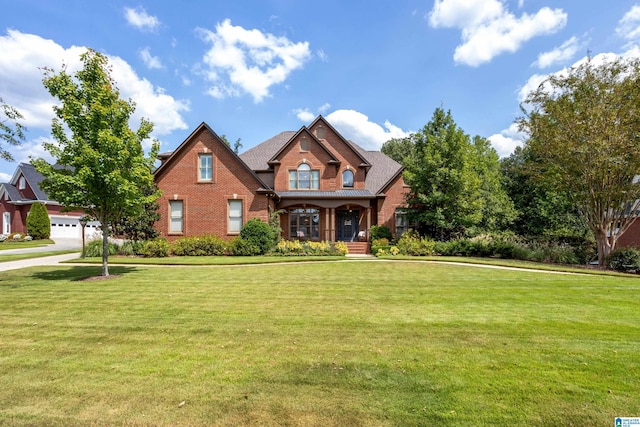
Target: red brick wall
[(395, 198), (205, 203), (631, 237), (344, 154)]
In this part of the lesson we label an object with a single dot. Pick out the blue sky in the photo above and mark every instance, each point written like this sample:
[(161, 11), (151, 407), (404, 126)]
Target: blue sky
[(377, 69)]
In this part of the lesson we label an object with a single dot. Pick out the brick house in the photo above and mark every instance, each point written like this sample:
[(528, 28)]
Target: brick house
[(17, 196), (326, 187)]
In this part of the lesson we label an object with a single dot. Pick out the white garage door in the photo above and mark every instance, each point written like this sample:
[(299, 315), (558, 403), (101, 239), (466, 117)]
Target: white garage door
[(65, 227)]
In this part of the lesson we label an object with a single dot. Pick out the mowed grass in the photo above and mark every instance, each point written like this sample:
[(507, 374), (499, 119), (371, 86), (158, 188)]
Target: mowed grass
[(342, 343)]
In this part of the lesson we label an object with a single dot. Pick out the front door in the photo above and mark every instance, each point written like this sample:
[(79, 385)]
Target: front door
[(347, 225)]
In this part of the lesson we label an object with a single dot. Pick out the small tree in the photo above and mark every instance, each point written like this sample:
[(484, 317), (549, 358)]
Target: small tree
[(101, 167), (11, 131), (38, 223)]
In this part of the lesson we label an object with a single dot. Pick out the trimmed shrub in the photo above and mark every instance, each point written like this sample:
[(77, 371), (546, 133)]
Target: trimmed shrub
[(38, 224), (241, 247), (260, 234), (157, 248), (380, 232), (298, 248), (625, 259), (206, 245), (412, 244)]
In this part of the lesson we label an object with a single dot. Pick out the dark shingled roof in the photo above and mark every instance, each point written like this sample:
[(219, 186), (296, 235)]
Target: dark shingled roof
[(33, 178), (12, 192), (257, 157), (383, 168)]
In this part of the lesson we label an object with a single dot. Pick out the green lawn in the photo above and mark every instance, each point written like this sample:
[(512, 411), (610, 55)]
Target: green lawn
[(16, 257), (347, 343), (24, 244)]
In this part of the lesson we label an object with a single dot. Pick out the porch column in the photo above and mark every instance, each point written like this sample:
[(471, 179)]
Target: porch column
[(327, 226), (368, 222), (332, 224)]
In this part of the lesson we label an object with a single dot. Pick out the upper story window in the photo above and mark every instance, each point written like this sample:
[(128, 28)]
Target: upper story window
[(347, 179), (21, 183), (304, 178), (206, 167)]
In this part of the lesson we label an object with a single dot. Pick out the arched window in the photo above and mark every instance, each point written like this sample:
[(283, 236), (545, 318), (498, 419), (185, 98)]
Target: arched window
[(304, 178), (347, 179)]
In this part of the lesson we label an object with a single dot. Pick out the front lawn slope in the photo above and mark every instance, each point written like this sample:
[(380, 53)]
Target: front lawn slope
[(363, 344)]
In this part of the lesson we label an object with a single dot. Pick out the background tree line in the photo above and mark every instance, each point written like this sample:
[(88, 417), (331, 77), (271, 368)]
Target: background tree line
[(461, 188)]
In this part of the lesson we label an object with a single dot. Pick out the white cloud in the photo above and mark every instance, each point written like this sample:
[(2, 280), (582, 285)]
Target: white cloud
[(357, 127), (488, 30), (507, 140), (249, 61), (322, 55), (629, 26), (324, 108), (304, 115), (140, 19), (21, 83), (537, 79), (5, 177), (562, 53), (152, 62)]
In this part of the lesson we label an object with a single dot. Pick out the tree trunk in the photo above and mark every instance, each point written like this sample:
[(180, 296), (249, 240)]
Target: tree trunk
[(105, 249), (604, 247)]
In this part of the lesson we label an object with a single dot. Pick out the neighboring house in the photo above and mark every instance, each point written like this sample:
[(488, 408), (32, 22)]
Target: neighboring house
[(17, 196), (326, 188)]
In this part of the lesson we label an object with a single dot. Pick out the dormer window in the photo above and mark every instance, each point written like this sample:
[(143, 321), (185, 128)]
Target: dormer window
[(21, 183), (347, 179), (304, 178)]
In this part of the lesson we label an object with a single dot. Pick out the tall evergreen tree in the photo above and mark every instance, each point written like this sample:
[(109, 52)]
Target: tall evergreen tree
[(38, 223)]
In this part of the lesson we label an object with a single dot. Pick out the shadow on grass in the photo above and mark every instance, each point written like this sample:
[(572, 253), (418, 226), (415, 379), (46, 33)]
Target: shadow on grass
[(87, 273)]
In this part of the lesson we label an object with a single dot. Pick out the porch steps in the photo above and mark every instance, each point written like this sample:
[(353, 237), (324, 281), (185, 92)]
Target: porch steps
[(358, 248)]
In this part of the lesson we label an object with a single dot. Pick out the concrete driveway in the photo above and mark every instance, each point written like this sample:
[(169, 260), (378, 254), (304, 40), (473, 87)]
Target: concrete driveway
[(59, 245)]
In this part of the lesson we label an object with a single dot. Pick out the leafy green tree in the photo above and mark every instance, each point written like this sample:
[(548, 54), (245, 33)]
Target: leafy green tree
[(141, 226), (11, 131), (38, 223), (402, 150), (498, 211), (583, 128), (101, 167), (542, 210), (455, 182)]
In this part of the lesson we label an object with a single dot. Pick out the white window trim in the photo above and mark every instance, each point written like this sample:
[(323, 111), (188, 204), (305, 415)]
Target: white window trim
[(172, 217), (200, 168), (230, 229)]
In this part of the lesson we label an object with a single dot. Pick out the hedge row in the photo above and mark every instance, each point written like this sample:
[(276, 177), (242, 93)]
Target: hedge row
[(510, 247), (209, 245)]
